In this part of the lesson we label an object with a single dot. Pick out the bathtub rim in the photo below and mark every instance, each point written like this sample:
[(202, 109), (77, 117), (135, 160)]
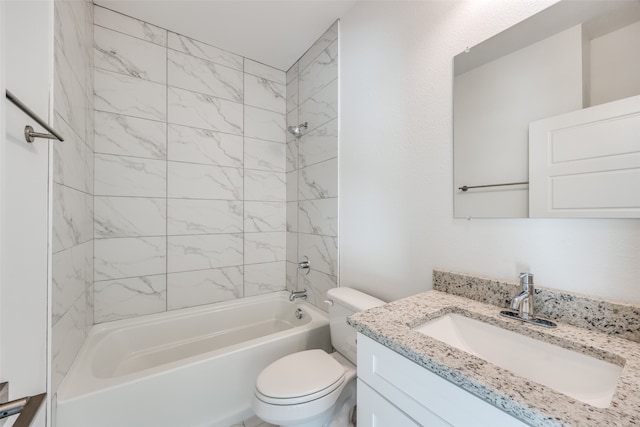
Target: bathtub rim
[(180, 312), (80, 381)]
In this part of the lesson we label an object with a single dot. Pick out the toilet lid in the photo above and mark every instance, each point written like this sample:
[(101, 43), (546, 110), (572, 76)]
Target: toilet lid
[(300, 374)]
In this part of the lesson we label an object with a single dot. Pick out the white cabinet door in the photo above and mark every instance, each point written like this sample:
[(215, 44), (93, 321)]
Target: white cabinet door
[(375, 411), (420, 394), (26, 34), (587, 163)]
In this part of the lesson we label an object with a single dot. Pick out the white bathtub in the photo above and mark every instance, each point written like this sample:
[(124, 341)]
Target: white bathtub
[(187, 368)]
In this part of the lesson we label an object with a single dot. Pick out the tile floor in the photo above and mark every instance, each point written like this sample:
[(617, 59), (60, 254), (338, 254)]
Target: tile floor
[(253, 422)]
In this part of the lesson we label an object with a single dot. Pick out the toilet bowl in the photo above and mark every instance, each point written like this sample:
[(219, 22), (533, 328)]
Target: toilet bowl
[(302, 389), (313, 388)]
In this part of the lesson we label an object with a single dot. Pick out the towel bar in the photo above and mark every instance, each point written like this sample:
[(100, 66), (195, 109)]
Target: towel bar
[(29, 133)]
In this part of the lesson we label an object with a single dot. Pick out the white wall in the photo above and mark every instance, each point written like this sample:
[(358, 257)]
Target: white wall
[(615, 63), (396, 210), (26, 59), (542, 79)]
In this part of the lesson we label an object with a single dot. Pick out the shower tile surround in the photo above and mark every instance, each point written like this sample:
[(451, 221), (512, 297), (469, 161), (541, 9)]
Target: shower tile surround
[(72, 175), (312, 168), (191, 172)]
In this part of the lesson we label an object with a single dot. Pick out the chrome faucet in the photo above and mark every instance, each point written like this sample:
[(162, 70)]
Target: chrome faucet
[(522, 304), (298, 294)]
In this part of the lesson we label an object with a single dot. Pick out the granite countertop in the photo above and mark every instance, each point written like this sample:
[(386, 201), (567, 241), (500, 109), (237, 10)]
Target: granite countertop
[(538, 405)]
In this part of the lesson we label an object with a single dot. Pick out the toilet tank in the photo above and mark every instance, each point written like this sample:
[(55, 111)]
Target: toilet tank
[(345, 302)]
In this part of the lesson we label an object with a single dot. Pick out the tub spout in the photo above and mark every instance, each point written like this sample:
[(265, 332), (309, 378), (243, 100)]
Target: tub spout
[(298, 294)]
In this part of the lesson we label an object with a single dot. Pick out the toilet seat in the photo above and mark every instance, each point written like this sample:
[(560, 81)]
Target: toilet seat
[(300, 377)]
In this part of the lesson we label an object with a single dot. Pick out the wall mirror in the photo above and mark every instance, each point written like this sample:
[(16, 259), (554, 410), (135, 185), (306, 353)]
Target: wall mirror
[(546, 116)]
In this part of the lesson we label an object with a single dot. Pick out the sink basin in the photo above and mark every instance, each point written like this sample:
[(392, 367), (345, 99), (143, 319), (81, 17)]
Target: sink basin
[(585, 378)]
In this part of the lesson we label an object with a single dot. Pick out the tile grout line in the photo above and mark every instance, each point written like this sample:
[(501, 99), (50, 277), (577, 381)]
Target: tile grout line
[(337, 211), (166, 184), (244, 176), (166, 44), (93, 172), (297, 194), (193, 91), (189, 271)]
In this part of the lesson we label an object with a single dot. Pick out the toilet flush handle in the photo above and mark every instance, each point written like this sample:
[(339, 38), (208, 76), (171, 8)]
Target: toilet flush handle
[(329, 302)]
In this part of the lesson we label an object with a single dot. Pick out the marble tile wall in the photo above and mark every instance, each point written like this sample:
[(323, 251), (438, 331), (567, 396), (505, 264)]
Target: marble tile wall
[(312, 168), (72, 176), (190, 171)]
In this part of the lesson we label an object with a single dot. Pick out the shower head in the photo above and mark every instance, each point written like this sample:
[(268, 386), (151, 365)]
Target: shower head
[(297, 130)]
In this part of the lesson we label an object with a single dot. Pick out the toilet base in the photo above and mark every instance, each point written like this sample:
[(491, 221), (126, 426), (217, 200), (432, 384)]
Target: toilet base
[(321, 420), (344, 407), (339, 415)]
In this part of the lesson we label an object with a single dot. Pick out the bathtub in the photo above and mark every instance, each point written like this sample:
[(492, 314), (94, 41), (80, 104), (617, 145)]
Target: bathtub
[(186, 368)]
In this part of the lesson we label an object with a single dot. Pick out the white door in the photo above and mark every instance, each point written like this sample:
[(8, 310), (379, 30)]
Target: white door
[(26, 56), (586, 163)]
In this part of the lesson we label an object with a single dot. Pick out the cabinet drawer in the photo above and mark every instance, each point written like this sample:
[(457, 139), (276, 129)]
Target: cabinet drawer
[(375, 411), (421, 394)]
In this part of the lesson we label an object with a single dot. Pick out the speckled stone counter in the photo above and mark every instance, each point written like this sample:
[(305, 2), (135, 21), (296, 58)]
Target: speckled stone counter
[(612, 318), (538, 405)]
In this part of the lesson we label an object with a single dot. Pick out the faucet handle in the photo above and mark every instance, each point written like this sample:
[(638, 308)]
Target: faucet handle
[(526, 279), (305, 265)]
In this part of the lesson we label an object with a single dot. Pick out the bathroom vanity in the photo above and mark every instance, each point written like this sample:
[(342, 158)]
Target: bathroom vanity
[(406, 377), (394, 391)]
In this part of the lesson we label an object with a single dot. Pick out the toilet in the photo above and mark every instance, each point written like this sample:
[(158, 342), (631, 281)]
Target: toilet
[(314, 388)]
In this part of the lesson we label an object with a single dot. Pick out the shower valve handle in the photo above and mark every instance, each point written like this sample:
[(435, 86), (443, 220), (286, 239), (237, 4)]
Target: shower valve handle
[(305, 265)]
